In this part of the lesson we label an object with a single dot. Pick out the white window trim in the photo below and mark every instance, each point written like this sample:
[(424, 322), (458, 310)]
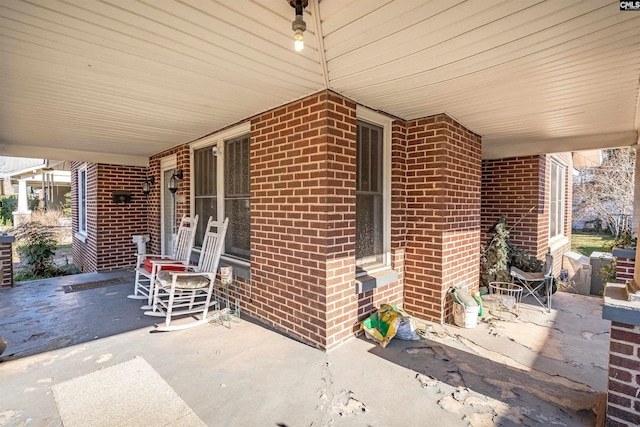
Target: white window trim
[(217, 140), (366, 115), (81, 234), (166, 163), (559, 239)]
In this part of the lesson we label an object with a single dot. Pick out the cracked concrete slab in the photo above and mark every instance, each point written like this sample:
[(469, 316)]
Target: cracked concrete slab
[(495, 374)]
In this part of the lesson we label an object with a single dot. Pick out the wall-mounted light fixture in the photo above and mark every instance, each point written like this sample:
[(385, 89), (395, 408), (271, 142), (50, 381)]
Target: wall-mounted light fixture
[(298, 25), (173, 181), (146, 185)]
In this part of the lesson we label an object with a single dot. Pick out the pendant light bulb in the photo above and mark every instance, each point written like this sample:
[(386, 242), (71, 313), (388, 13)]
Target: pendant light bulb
[(298, 25), (298, 43)]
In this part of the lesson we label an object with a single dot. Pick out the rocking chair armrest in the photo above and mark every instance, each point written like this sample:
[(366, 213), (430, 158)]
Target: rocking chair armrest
[(170, 266), (169, 261), (145, 256), (187, 273)]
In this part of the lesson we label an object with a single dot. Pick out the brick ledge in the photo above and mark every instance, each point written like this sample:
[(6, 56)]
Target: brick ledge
[(616, 307)]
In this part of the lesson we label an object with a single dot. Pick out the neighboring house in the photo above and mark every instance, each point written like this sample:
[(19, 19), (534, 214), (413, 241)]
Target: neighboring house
[(534, 193), (333, 209), (49, 180)]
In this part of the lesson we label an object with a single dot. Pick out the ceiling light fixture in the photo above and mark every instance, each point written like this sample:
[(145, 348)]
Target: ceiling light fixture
[(298, 25)]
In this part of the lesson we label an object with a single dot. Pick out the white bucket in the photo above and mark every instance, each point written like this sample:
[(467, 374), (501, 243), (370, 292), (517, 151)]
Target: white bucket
[(466, 317)]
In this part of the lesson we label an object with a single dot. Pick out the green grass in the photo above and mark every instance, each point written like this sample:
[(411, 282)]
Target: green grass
[(586, 243)]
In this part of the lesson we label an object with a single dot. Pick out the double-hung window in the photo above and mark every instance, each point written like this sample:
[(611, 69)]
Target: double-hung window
[(82, 201), (221, 187), (373, 189), (556, 200)]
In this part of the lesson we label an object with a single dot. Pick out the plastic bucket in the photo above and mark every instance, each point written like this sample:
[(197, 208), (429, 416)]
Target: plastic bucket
[(465, 317)]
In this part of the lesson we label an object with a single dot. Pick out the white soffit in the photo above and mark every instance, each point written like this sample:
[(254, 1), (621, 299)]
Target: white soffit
[(587, 159), (120, 80)]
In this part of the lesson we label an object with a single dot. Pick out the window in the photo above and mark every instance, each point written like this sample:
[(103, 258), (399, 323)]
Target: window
[(373, 188), (236, 196), (82, 200), (556, 201), (221, 187)]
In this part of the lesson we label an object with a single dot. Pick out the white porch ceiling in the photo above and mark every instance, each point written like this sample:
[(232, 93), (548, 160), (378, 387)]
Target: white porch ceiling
[(119, 80)]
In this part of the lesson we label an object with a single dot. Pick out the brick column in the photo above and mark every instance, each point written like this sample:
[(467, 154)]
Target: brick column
[(623, 399), (442, 214), (625, 268), (303, 218), (6, 260)]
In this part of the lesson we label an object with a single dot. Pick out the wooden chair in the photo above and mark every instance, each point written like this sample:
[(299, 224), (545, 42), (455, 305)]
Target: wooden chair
[(190, 292), (146, 264)]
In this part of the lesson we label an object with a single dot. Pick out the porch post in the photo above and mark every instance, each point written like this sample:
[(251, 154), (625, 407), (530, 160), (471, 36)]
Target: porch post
[(636, 213), (22, 214), (622, 306)]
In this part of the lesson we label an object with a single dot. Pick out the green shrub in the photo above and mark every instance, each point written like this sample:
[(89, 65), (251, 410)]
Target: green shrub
[(55, 271), (66, 205), (624, 241), (36, 244), (9, 204), (33, 203)]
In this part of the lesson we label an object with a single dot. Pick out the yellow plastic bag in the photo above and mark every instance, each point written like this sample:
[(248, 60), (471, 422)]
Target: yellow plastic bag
[(383, 325)]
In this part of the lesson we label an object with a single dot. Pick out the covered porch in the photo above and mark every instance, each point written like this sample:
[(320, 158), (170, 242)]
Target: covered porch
[(130, 90), (541, 369)]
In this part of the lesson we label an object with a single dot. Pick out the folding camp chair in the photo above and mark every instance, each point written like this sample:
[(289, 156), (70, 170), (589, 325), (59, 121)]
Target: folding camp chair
[(143, 288), (539, 285), (190, 292)]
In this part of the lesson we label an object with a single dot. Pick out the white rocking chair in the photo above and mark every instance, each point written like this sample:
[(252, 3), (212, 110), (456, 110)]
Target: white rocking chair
[(190, 292), (146, 265)]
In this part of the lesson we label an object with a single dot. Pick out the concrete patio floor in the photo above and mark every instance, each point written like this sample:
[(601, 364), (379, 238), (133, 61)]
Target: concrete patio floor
[(542, 369)]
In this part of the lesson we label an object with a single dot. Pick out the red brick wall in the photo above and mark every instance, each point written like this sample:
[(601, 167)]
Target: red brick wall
[(85, 252), (442, 214), (625, 269), (6, 259), (110, 225), (623, 399), (117, 222), (512, 187)]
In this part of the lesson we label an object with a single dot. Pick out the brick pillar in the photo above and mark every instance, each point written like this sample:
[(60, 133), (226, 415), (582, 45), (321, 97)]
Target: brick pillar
[(623, 399), (303, 218), (6, 261), (625, 268), (442, 214)]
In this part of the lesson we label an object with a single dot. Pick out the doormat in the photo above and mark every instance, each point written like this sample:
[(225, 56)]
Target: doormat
[(128, 394), (92, 285)]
